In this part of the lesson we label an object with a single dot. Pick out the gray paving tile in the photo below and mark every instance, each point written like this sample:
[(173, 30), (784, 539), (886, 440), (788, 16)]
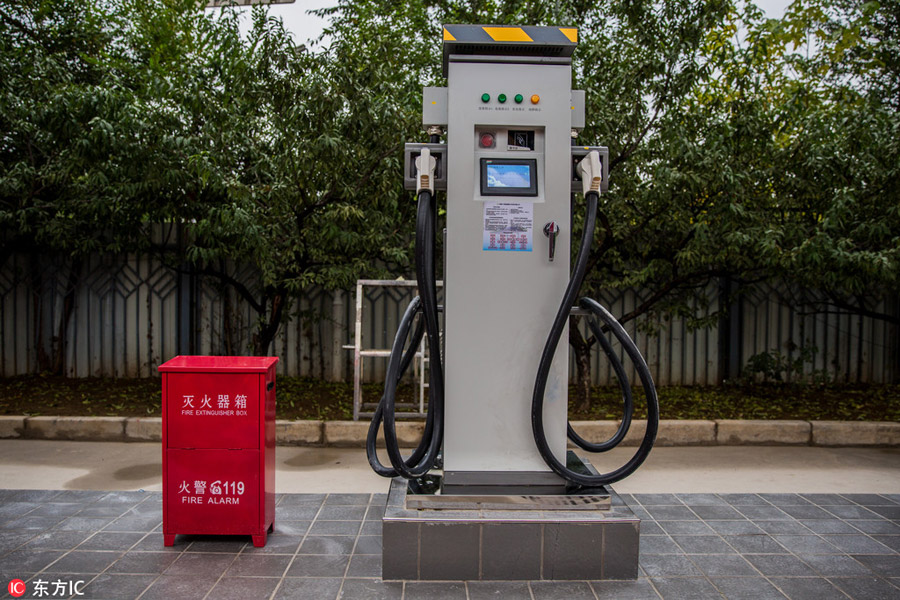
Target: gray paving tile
[(743, 499), (111, 541), (325, 588), (653, 528), (429, 590), (884, 565), (10, 540), (327, 544), (374, 512), (807, 512), (784, 499), (226, 544), (869, 499), (258, 565), (244, 588), (31, 496), (170, 587), (318, 565), (780, 565), (665, 565), (754, 544), (34, 523), (657, 499), (485, 590), (717, 512), (103, 510), (10, 509), (57, 509), (335, 528), (807, 588), (826, 499), (143, 563), (277, 543), (888, 512), (55, 539), (805, 544), (735, 527), (835, 565), (746, 588), (857, 544), (371, 528), (702, 499), (341, 513), (882, 527), (891, 541), (153, 542), (299, 512), (685, 527), (322, 588), (671, 513), (28, 561), (200, 565), (764, 513), (368, 544), (561, 590), (625, 590), (790, 527), (703, 544), (696, 588), (364, 565), (831, 525), (866, 588), (347, 499), (132, 522), (291, 527), (852, 512), (717, 565), (659, 544), (302, 499), (371, 589), (109, 586)]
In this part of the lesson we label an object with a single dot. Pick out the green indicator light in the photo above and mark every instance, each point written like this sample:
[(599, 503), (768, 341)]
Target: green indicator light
[(485, 97), (501, 98), (519, 98)]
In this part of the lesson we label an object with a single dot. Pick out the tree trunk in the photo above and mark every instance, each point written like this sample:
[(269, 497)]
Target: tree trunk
[(59, 363), (262, 339), (582, 349)]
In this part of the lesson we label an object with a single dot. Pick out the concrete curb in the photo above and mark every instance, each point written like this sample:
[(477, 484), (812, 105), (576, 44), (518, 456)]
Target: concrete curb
[(352, 434)]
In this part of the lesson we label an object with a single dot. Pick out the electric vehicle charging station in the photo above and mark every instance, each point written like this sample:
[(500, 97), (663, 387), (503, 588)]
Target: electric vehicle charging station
[(498, 393)]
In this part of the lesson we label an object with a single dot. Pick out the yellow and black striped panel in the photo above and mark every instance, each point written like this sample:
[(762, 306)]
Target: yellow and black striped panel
[(505, 34), (508, 40)]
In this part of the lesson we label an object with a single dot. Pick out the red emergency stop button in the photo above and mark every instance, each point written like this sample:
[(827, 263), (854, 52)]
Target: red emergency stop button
[(487, 140)]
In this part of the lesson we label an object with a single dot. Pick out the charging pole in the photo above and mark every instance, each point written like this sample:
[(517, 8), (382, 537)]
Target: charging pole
[(498, 392)]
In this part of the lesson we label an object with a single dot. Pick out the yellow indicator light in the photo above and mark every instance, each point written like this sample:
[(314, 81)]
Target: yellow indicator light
[(535, 99)]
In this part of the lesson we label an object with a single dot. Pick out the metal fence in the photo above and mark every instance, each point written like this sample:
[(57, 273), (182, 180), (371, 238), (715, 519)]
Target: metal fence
[(127, 314)]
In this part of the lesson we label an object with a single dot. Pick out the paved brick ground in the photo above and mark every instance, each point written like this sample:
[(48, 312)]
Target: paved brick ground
[(758, 546)]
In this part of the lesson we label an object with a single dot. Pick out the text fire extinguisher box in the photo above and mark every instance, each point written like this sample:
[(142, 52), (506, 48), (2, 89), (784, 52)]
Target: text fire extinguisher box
[(218, 441)]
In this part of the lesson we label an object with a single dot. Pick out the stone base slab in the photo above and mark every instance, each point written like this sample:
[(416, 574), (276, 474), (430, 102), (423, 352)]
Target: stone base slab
[(521, 545)]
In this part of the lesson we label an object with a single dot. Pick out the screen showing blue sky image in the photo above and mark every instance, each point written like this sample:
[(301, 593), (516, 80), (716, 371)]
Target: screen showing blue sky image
[(502, 176)]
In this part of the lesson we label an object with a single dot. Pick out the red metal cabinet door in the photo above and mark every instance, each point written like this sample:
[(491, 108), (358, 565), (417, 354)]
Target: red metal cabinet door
[(212, 410), (212, 492)]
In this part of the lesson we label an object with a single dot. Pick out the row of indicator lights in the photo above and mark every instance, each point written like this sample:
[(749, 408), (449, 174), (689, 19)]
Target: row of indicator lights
[(518, 98)]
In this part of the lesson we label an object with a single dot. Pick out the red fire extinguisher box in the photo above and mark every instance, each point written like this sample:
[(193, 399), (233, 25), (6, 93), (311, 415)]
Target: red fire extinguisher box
[(218, 440)]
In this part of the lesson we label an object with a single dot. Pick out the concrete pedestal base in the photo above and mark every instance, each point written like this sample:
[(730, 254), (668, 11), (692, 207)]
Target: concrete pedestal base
[(508, 544)]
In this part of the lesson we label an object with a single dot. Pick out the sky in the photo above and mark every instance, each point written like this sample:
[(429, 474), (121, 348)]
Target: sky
[(305, 26)]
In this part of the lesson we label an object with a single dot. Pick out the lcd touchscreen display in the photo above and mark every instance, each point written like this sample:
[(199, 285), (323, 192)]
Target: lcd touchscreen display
[(508, 177)]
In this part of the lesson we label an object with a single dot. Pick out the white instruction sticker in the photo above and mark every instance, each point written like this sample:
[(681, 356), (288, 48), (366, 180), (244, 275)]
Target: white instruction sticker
[(508, 226)]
